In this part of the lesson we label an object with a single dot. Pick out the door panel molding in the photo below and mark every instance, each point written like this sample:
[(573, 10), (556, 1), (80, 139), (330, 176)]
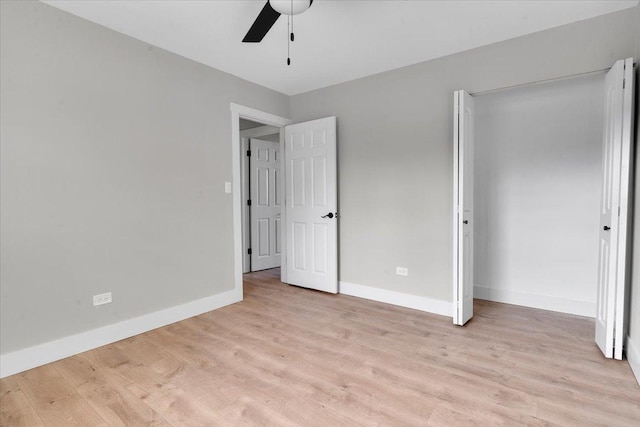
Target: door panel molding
[(311, 193), (265, 211)]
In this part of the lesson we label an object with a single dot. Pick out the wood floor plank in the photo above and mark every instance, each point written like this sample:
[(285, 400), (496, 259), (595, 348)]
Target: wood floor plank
[(382, 345), (112, 401), (183, 408), (55, 400), (300, 362), (15, 409), (136, 363), (290, 356)]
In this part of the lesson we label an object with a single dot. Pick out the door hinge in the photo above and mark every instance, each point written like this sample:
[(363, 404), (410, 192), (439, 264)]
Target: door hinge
[(624, 83), (249, 251), (248, 202), (248, 153)]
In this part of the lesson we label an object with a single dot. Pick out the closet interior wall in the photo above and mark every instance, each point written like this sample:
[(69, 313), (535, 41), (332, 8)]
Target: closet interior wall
[(537, 194)]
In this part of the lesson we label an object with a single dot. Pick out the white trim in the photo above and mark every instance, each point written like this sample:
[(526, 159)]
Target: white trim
[(283, 212), (443, 308), (258, 116), (633, 357), (246, 223), (238, 112), (41, 354), (259, 131), (544, 302)]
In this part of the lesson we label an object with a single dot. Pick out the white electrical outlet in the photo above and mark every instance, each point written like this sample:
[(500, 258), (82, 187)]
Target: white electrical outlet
[(227, 187), (402, 271), (102, 299)]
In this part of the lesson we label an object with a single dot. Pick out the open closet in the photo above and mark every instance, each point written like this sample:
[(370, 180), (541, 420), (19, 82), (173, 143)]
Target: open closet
[(541, 189)]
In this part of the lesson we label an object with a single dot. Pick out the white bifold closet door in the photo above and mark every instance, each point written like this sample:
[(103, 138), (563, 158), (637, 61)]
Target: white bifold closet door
[(463, 144), (311, 216), (614, 211)]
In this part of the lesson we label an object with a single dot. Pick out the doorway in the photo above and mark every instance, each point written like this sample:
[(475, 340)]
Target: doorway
[(309, 213), (239, 112), (261, 179)]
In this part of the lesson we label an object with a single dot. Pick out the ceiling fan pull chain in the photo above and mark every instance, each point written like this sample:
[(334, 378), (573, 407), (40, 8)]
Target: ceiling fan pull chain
[(291, 20), (288, 48)]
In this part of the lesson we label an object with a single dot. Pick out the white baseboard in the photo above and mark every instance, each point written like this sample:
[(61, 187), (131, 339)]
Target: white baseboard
[(545, 302), (41, 354), (444, 308), (633, 357)]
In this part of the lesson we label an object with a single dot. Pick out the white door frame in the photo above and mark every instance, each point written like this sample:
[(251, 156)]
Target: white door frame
[(245, 135), (241, 112)]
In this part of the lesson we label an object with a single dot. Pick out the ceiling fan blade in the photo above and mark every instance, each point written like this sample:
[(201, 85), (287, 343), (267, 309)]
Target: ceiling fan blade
[(263, 23)]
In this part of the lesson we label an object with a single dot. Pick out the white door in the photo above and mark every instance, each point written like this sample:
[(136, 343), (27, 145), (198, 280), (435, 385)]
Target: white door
[(311, 205), (463, 116), (265, 204), (614, 211)]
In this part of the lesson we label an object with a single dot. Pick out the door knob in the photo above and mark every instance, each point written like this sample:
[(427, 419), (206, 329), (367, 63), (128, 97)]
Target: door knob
[(606, 228), (465, 222), (329, 215)]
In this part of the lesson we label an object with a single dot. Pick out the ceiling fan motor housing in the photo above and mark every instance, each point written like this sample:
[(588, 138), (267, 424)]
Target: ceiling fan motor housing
[(290, 7)]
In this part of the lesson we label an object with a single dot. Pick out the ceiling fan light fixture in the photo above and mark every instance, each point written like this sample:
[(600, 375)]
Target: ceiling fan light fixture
[(290, 7)]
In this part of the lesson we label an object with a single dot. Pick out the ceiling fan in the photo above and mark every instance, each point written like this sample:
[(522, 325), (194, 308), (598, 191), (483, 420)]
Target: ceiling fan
[(270, 14)]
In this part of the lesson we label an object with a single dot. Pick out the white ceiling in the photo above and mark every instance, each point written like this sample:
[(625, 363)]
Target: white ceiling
[(336, 41)]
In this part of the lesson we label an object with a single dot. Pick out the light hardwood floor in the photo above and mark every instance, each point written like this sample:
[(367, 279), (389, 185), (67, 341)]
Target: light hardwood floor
[(287, 356)]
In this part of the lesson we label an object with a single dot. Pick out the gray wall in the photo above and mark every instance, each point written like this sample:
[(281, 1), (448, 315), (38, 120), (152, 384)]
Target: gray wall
[(634, 315), (114, 155), (395, 150), (538, 159)]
